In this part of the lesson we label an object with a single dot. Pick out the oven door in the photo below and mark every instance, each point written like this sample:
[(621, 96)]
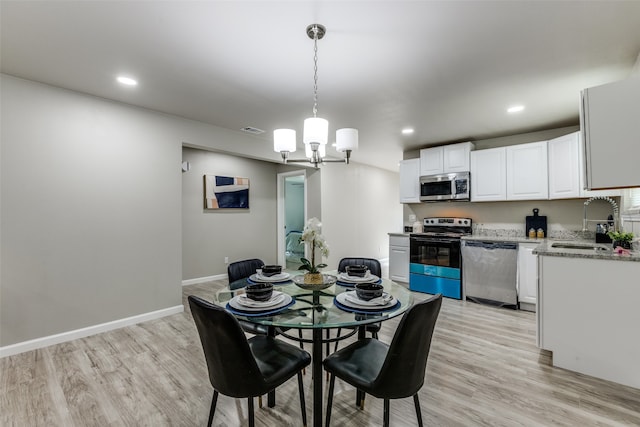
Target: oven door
[(440, 252)]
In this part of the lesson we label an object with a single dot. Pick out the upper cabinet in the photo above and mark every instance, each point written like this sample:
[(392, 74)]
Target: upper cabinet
[(445, 159), (566, 169), (431, 161), (610, 126), (456, 157), (410, 181), (517, 172), (489, 175), (527, 171)]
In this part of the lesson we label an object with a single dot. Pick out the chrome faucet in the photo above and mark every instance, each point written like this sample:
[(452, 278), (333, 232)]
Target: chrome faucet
[(616, 212)]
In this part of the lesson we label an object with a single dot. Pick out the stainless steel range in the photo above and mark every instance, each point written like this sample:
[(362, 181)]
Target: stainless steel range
[(435, 256)]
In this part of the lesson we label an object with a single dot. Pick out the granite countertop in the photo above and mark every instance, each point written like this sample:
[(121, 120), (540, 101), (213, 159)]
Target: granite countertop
[(546, 249)]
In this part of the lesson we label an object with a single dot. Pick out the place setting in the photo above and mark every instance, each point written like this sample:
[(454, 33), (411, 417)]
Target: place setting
[(366, 298), (259, 300), (270, 274), (355, 274)]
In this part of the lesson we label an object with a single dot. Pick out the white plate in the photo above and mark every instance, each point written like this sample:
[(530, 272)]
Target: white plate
[(346, 299), (382, 301), (280, 277), (233, 302), (276, 298), (369, 278)]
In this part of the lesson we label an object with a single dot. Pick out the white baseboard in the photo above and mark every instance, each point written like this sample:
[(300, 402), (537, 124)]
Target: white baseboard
[(37, 343), (203, 279)]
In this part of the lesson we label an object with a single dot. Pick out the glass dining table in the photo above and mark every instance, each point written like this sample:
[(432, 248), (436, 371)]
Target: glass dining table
[(318, 310)]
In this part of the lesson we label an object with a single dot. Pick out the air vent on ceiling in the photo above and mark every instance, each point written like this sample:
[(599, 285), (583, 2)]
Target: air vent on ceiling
[(252, 130)]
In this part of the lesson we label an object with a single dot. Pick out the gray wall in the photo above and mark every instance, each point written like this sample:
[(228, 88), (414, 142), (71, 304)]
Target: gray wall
[(208, 236), (90, 212), (91, 206)]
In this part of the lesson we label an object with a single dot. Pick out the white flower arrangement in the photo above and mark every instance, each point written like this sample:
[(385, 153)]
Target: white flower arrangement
[(312, 237)]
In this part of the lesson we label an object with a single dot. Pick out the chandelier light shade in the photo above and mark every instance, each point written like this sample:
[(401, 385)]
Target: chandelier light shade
[(346, 139), (316, 130), (284, 140)]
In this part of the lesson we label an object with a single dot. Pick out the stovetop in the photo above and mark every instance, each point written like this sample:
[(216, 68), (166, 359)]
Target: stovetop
[(450, 228)]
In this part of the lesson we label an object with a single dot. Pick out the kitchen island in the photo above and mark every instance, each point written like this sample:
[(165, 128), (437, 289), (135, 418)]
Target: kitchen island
[(588, 313)]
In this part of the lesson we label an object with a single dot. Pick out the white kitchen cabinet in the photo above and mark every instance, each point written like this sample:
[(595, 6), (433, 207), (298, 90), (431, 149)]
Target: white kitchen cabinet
[(527, 276), (431, 161), (445, 159), (583, 191), (410, 181), (399, 258), (610, 127), (588, 316), (488, 175), (456, 157), (564, 167), (527, 171)]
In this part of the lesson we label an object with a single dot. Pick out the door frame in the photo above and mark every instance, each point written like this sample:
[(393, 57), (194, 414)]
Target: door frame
[(280, 215)]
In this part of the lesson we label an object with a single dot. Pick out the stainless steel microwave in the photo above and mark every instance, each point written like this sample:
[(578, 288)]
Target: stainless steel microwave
[(449, 186)]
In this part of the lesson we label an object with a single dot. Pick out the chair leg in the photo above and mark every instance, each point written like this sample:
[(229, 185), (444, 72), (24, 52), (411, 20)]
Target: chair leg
[(303, 407), (252, 422), (332, 382), (212, 411), (260, 401), (335, 348), (385, 422), (416, 401)]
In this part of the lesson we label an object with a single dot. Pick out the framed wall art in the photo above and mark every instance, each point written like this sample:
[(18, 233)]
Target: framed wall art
[(226, 192)]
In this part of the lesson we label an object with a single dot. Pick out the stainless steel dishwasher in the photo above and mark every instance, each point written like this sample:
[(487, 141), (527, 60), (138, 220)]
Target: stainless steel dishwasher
[(489, 272)]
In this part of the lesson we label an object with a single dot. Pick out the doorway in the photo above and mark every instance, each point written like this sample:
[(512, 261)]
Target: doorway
[(292, 197)]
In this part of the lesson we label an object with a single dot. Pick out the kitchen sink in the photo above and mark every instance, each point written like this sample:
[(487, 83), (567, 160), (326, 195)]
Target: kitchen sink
[(581, 246)]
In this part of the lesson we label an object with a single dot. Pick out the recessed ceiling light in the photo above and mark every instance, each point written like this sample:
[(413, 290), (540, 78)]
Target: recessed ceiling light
[(515, 109), (407, 131), (127, 81)]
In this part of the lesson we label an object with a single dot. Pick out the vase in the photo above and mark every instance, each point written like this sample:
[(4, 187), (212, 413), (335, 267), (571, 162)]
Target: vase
[(313, 278), (625, 245)]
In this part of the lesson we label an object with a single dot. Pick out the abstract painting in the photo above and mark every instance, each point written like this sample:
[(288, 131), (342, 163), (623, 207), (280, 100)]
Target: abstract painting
[(226, 192)]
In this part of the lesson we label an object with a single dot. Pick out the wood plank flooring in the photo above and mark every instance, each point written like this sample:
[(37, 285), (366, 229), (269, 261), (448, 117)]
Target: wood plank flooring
[(484, 370)]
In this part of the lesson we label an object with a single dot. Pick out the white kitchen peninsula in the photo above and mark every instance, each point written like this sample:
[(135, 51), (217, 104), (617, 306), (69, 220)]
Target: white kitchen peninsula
[(588, 313)]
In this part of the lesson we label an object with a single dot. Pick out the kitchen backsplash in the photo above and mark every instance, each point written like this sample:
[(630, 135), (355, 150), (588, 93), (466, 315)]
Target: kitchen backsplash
[(554, 231)]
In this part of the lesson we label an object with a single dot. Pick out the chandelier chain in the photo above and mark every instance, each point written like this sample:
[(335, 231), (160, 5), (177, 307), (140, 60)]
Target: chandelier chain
[(315, 71)]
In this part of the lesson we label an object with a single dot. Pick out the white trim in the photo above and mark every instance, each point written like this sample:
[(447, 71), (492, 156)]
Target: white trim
[(280, 211), (205, 279), (37, 343)]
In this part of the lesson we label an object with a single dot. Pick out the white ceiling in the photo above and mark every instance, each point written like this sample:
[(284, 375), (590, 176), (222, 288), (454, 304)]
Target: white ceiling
[(447, 68)]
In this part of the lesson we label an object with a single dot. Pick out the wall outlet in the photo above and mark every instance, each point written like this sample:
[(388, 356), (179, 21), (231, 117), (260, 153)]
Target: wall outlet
[(226, 260)]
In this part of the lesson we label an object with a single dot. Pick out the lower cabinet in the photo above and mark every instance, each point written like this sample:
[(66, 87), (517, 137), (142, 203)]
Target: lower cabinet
[(399, 258), (527, 276)]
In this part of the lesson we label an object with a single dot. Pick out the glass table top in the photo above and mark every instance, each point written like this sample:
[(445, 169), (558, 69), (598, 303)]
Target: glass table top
[(316, 309)]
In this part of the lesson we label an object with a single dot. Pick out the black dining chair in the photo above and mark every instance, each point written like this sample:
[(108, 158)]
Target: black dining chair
[(376, 269), (392, 371), (241, 270), (242, 368)]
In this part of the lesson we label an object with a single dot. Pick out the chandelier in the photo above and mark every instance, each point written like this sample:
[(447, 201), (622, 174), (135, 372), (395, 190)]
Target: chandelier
[(316, 129)]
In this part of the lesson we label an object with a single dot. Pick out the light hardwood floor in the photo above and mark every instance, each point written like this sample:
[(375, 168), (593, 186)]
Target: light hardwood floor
[(484, 370)]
